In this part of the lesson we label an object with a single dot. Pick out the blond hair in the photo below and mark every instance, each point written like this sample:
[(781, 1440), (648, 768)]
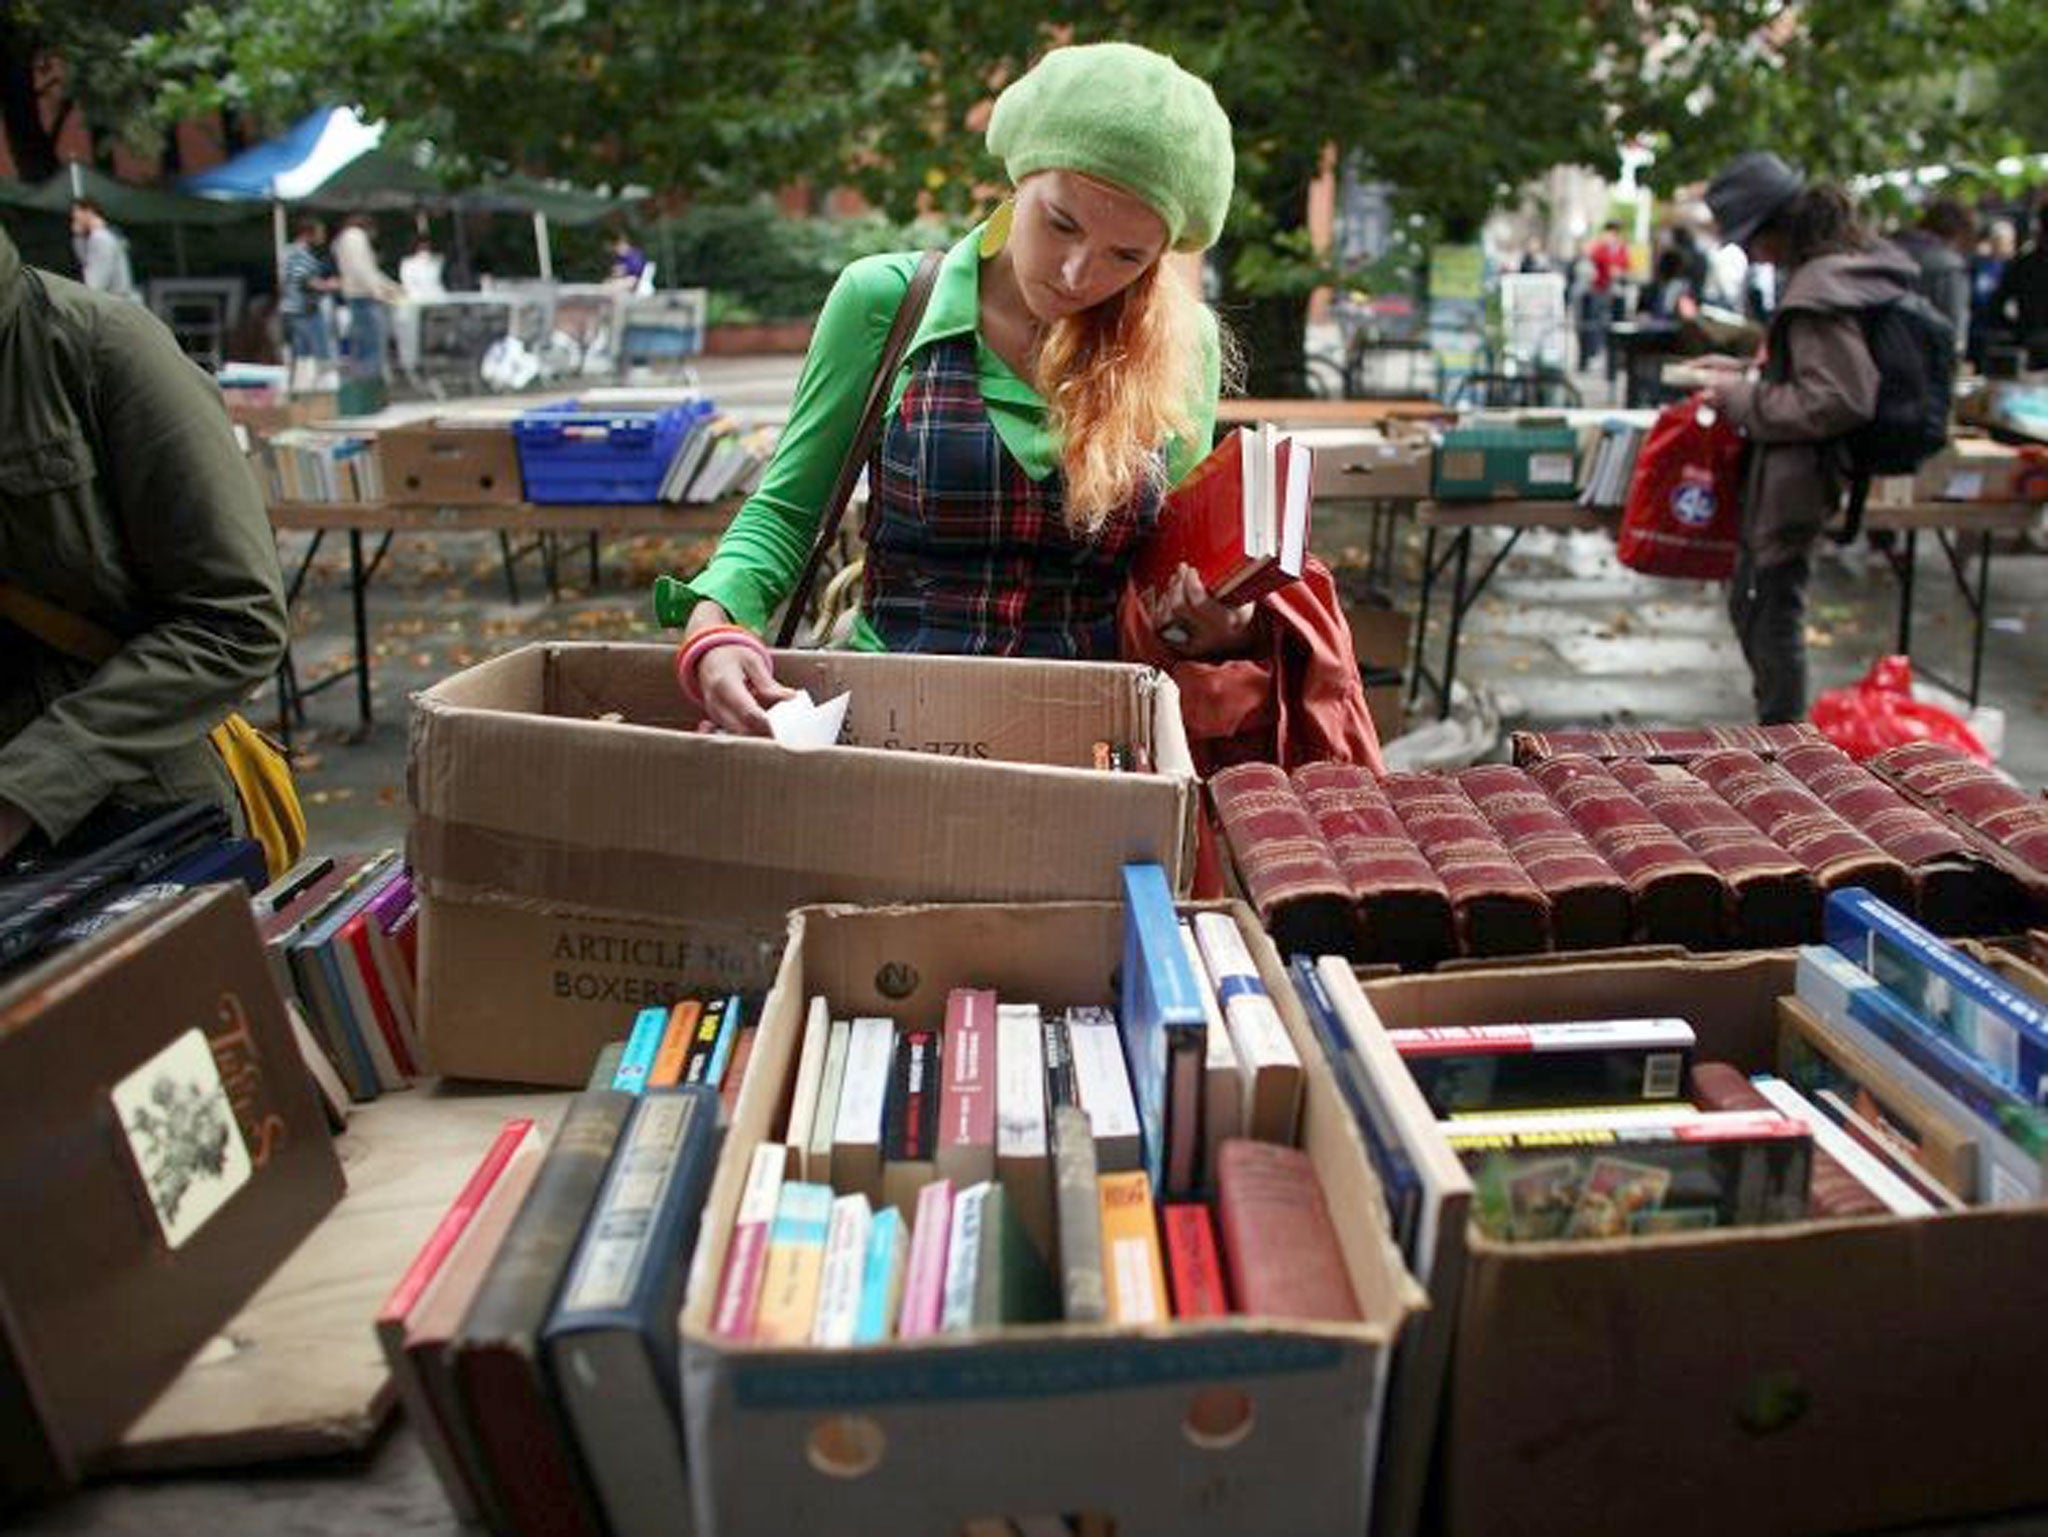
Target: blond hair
[(1119, 380)]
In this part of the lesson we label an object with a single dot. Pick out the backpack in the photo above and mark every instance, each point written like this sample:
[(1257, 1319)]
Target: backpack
[(1914, 348)]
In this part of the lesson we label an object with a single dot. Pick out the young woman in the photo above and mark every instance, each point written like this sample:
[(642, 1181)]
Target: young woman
[(1815, 382), (1063, 376)]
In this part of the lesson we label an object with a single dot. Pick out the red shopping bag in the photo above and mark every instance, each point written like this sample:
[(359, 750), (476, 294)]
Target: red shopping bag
[(1879, 711), (1684, 505)]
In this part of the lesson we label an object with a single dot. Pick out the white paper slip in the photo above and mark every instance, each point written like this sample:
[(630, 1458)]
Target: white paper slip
[(798, 721)]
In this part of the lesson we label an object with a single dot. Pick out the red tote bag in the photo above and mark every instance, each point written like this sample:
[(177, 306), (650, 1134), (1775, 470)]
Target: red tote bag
[(1684, 510)]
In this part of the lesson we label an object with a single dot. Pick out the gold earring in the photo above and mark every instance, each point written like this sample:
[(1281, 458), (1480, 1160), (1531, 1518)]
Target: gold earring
[(996, 233)]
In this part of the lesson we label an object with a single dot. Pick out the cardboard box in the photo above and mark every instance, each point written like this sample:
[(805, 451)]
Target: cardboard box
[(581, 850), (1380, 639), (1810, 1377), (1969, 470), (1350, 464), (1231, 1425), (1481, 463), (450, 464)]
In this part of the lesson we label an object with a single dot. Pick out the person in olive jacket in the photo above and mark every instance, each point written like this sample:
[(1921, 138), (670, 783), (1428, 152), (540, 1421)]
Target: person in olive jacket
[(124, 500)]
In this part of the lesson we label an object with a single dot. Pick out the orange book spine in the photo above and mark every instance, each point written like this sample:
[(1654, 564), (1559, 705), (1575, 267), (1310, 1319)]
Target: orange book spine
[(675, 1045), (1136, 1281)]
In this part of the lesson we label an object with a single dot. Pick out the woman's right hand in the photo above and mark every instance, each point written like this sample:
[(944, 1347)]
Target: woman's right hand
[(737, 686)]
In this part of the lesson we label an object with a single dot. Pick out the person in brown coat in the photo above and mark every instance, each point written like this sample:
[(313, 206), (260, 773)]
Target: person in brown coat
[(1813, 382)]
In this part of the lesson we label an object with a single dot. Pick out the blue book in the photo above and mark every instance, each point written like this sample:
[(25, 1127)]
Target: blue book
[(644, 1040), (881, 1277), (721, 1049), (1165, 1032), (232, 859), (2001, 1027), (1399, 1178), (318, 973), (611, 1339)]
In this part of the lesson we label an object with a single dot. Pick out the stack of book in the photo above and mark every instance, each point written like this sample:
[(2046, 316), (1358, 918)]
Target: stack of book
[(302, 465), (534, 1338), (717, 457), (707, 1040), (1609, 465)]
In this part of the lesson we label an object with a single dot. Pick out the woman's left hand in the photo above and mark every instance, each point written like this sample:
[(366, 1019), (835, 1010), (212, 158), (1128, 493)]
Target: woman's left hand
[(1197, 625)]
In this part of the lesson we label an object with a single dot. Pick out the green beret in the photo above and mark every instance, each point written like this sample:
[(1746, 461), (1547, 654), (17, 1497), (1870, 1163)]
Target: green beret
[(1127, 116)]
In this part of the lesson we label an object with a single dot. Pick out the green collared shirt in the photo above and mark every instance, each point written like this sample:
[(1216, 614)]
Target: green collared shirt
[(764, 548)]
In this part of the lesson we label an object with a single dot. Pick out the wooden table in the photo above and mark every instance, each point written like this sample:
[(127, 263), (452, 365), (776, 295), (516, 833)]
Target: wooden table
[(1950, 523), (1241, 412), (386, 520)]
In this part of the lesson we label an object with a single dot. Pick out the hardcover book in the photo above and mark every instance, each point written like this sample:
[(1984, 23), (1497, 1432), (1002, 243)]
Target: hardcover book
[(1287, 869), (1402, 902), (1164, 1025), (967, 1098), (2007, 821), (1278, 1240), (612, 1344), (507, 1401), (1800, 823), (1012, 1283), (1589, 905), (1080, 1217), (1498, 909), (1240, 518), (1834, 1191), (1663, 744), (177, 1153)]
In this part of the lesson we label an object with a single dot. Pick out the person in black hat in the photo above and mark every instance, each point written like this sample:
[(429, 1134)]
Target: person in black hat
[(1813, 382)]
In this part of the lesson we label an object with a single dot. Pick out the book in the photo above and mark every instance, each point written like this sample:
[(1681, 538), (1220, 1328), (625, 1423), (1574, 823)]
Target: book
[(1134, 1280), (1824, 1060), (1402, 905), (881, 1277), (1893, 1193), (1077, 1207), (966, 1151), (362, 1057), (825, 1122), (924, 1277), (1518, 1066), (1164, 1028), (863, 1097), (1240, 518), (674, 1050), (839, 1279), (736, 1071), (496, 1355), (1280, 1247), (1589, 902), (1833, 1190), (1574, 1177), (796, 1264), (1103, 1087), (1192, 1267), (1265, 1052), (612, 1344), (1887, 1149), (1012, 1284), (404, 1301), (643, 1043), (1059, 1061), (731, 1025), (165, 1153), (435, 1320), (1801, 823), (289, 887), (604, 1067), (810, 1073), (1660, 745), (910, 1120), (1289, 873), (1223, 1107), (963, 1259), (704, 1041), (1023, 1156), (1495, 907), (1995, 1022), (746, 1256)]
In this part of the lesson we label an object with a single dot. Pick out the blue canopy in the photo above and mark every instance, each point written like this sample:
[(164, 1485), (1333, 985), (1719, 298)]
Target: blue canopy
[(293, 165)]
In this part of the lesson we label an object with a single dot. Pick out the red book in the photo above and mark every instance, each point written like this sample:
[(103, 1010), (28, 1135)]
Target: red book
[(1833, 1190), (1240, 518), (1192, 1269), (1499, 910), (1801, 824), (966, 1152), (1283, 861), (736, 1072), (1278, 1241), (457, 1217), (1405, 909), (355, 941), (1589, 905)]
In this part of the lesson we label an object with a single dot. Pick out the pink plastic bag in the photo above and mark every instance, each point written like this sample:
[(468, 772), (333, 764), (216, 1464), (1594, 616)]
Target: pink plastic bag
[(1879, 711)]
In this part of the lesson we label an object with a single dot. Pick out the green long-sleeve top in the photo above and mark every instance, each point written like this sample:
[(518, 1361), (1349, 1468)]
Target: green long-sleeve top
[(763, 550), (123, 499)]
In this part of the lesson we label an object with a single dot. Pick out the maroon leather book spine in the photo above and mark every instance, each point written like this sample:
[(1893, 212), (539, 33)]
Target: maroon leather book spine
[(1678, 898), (1773, 894), (1589, 906), (1672, 745), (1979, 798), (1499, 910), (1956, 890), (1287, 869), (1833, 1191), (1279, 1244), (1799, 822), (1402, 903)]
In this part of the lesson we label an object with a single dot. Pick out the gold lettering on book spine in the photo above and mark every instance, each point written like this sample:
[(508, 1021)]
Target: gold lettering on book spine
[(240, 1062)]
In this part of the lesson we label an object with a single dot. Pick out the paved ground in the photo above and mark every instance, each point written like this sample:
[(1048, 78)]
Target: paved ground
[(1573, 638)]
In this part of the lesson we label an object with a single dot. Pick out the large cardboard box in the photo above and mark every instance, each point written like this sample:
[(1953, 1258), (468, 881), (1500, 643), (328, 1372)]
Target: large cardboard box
[(582, 850), (1492, 462), (1350, 463), (1235, 1425), (1969, 470), (450, 464), (1812, 1377)]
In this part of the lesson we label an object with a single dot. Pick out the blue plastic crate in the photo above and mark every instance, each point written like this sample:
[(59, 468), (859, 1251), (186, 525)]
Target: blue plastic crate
[(567, 454)]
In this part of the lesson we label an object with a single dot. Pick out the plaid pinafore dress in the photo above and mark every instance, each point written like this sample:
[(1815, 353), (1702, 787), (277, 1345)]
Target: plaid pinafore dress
[(969, 555)]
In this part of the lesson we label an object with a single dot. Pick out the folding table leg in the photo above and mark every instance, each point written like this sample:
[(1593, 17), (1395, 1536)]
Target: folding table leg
[(1416, 669), (507, 560)]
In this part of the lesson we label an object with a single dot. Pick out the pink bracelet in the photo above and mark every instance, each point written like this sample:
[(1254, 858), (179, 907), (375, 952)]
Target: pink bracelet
[(692, 652)]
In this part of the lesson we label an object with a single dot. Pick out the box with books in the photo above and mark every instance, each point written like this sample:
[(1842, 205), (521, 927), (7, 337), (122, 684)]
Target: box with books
[(579, 849), (1691, 1380), (1200, 1358)]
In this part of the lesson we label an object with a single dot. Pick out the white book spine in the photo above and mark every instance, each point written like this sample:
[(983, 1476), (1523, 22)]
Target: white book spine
[(1255, 1026), (1020, 1082), (818, 1162), (846, 1250), (871, 1043), (1829, 1138), (1226, 1090), (1104, 1086), (810, 1069), (963, 1259)]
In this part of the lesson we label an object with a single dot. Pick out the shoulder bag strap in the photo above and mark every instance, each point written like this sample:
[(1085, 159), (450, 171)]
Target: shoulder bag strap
[(908, 313), (58, 628)]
